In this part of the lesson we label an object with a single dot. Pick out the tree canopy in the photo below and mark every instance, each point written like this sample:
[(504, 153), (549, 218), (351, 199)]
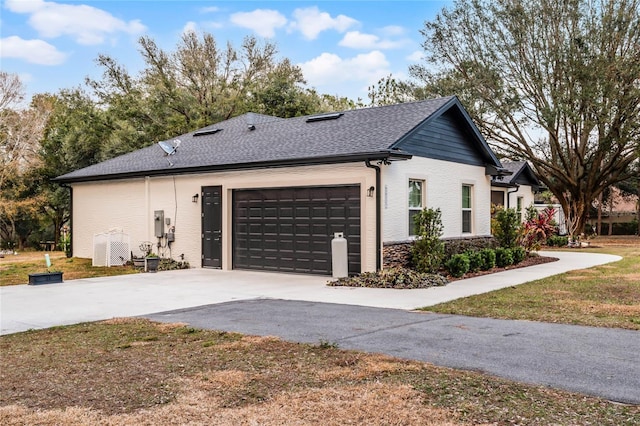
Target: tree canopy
[(556, 83), (21, 130), (197, 84)]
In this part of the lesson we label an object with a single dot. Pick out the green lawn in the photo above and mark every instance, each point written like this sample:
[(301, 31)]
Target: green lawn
[(16, 269), (603, 296)]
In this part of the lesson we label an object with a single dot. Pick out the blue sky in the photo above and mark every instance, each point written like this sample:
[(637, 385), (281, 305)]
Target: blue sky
[(341, 46)]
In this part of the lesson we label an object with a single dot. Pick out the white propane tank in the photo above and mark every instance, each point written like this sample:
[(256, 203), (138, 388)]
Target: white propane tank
[(339, 257)]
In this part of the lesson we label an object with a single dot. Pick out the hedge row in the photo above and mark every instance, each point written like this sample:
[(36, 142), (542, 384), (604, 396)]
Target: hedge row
[(484, 259)]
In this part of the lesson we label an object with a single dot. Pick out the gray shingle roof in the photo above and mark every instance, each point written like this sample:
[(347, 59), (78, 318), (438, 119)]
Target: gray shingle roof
[(356, 132), (521, 173)]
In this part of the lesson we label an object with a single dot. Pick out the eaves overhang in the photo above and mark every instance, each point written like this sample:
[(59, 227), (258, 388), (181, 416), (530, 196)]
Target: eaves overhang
[(384, 156), (504, 184), (492, 170)]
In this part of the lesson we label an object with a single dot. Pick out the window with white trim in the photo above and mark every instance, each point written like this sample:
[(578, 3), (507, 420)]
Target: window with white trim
[(466, 209), (416, 203), (519, 203)]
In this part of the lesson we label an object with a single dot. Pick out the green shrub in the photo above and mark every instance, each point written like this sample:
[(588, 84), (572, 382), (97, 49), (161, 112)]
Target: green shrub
[(557, 241), (170, 265), (488, 258), (519, 253), (462, 245), (504, 257), (458, 265), (427, 251), (475, 260), (506, 227)]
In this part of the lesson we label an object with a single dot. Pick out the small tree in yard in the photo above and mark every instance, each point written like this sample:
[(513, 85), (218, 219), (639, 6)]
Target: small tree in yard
[(427, 251), (506, 227)]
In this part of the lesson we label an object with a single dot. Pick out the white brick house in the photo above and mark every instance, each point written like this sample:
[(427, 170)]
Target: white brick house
[(264, 193)]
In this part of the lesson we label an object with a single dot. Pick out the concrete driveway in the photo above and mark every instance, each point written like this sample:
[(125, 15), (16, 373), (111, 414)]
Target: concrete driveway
[(24, 307)]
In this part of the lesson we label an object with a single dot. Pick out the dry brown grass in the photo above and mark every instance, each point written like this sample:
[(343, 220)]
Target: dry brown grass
[(134, 372), (374, 404), (617, 240)]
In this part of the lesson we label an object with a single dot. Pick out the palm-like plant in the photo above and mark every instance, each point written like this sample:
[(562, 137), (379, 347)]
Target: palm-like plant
[(537, 229)]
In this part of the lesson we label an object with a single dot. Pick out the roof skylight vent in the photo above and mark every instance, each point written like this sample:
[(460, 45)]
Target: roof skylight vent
[(207, 132), (325, 117)]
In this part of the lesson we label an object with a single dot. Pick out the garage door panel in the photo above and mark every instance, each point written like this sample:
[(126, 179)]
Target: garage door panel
[(319, 212), (271, 228), (353, 229), (286, 212), (338, 212), (290, 229), (303, 229), (255, 212), (302, 212), (319, 248)]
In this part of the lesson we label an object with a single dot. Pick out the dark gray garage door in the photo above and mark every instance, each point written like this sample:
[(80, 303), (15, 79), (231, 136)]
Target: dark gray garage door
[(290, 229)]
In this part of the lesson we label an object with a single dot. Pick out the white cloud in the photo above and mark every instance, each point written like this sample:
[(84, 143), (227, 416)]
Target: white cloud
[(416, 56), (263, 22), (25, 77), (21, 6), (86, 24), (311, 22), (210, 9), (358, 40), (214, 25), (190, 27), (366, 68), (33, 51), (393, 30)]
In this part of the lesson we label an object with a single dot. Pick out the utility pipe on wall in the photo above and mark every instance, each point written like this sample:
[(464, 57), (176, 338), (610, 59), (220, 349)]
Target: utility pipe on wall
[(512, 192), (378, 214)]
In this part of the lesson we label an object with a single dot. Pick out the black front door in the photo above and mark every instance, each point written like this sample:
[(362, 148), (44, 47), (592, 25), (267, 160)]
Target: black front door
[(212, 227)]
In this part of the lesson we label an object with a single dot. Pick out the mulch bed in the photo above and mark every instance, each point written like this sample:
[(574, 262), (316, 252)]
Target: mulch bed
[(403, 278), (529, 261)]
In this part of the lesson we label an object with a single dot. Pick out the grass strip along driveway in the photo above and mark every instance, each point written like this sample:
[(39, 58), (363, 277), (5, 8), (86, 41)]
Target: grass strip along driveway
[(133, 371), (603, 296)]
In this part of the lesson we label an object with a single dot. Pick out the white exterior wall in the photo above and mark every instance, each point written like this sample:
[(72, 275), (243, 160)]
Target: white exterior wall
[(523, 191), (443, 183), (129, 205)]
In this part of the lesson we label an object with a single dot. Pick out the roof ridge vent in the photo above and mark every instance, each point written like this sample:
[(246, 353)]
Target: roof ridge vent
[(207, 132), (324, 117)]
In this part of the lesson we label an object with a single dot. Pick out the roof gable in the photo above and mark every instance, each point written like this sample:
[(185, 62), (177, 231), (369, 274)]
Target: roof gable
[(450, 135), (521, 174), (255, 140)]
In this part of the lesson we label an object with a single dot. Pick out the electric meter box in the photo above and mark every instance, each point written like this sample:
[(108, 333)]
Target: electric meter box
[(158, 223)]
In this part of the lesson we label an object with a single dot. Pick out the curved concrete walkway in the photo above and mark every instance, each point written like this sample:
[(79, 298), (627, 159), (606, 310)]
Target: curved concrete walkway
[(26, 307)]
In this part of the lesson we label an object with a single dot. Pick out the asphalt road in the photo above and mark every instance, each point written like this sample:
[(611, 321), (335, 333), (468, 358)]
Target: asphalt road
[(594, 361)]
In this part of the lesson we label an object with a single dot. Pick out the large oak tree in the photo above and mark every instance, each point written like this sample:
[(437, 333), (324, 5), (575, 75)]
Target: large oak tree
[(553, 82)]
